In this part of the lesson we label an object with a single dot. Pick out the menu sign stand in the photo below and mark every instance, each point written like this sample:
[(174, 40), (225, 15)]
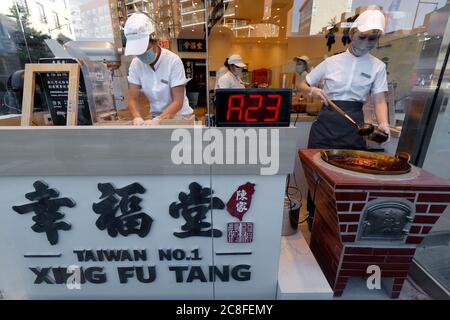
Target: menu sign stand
[(29, 87), (55, 85)]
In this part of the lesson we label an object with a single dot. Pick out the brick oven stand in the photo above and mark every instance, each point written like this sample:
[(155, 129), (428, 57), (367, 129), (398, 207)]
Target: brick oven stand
[(341, 204)]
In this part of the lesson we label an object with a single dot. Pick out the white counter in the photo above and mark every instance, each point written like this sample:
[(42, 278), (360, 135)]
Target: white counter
[(148, 247)]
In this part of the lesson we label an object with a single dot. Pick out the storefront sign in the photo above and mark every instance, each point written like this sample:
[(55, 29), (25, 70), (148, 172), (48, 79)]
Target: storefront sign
[(191, 45), (189, 68), (133, 237)]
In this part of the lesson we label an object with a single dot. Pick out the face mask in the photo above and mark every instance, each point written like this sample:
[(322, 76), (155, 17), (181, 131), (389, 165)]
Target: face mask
[(361, 47), (237, 72), (148, 56), (300, 68)]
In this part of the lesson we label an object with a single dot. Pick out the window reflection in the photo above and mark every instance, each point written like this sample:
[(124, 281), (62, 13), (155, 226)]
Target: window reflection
[(269, 34)]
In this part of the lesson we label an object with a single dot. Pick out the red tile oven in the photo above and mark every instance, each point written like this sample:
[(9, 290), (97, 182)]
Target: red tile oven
[(363, 220)]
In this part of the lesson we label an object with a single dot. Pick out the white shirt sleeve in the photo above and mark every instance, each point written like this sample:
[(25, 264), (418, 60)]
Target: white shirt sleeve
[(133, 73), (380, 83), (223, 83), (317, 74), (177, 74), (217, 86)]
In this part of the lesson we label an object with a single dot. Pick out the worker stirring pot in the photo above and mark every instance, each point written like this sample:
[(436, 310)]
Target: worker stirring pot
[(348, 79), (158, 72)]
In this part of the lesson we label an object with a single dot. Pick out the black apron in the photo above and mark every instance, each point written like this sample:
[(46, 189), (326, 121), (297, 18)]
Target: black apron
[(331, 130)]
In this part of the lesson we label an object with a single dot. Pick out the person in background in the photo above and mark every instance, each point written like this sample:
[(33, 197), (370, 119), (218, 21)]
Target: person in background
[(301, 71), (348, 80), (157, 72), (301, 68), (231, 78)]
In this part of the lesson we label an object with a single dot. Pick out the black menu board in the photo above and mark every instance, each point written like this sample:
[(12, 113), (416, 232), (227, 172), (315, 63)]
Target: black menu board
[(56, 89)]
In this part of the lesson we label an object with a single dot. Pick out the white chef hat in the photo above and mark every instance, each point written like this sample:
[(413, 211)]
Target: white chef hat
[(138, 28), (237, 61), (370, 20)]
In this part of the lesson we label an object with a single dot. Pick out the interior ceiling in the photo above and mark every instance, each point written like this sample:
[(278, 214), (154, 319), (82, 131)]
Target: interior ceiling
[(193, 32), (253, 10)]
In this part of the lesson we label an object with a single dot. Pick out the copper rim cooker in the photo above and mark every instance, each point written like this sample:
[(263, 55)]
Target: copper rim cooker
[(368, 162)]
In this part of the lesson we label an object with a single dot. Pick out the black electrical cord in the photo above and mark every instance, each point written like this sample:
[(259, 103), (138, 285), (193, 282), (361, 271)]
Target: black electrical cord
[(314, 196), (296, 119), (314, 199), (286, 192), (296, 190)]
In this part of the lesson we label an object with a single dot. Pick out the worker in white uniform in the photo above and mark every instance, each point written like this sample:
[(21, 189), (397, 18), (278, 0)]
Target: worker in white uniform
[(231, 78), (157, 72), (348, 80)]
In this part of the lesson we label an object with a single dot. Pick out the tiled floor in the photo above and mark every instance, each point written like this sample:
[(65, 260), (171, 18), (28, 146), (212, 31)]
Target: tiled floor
[(357, 290), (434, 256)]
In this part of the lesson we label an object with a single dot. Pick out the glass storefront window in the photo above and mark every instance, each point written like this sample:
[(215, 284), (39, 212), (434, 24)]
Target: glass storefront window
[(434, 253), (412, 49), (25, 25), (269, 35)]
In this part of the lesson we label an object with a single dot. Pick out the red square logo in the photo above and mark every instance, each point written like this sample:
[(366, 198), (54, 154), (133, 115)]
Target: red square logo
[(240, 232)]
